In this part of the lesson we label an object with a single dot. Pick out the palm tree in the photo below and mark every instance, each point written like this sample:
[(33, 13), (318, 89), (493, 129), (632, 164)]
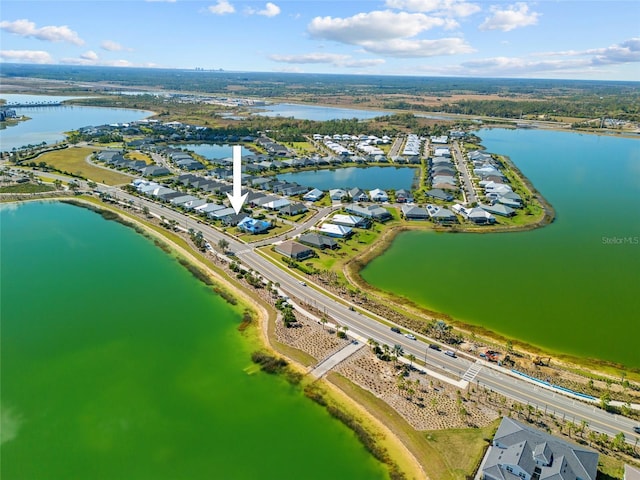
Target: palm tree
[(398, 351), (412, 358), (323, 320), (372, 343)]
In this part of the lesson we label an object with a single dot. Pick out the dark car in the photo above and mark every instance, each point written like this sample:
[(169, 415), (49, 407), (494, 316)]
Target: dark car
[(434, 346), (636, 429), (395, 329)]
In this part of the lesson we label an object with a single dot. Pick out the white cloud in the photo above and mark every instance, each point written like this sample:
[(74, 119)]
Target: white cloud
[(449, 8), (372, 26), (223, 7), (514, 16), (335, 59), (26, 28), (419, 48), (90, 55), (626, 52), (29, 56), (269, 10), (112, 46)]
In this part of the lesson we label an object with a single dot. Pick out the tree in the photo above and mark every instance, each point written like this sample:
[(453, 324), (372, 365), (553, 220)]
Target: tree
[(398, 351), (223, 243), (323, 320), (619, 442), (145, 210), (412, 358), (605, 400)]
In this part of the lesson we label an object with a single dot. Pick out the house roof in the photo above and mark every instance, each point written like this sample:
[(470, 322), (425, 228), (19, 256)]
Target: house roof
[(292, 249), (518, 444), (333, 229), (317, 240)]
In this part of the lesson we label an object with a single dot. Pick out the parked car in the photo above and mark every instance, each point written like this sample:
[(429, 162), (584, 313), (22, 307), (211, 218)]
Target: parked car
[(450, 353), (409, 336), (395, 329)]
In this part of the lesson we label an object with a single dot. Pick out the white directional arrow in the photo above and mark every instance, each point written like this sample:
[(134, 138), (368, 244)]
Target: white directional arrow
[(237, 199)]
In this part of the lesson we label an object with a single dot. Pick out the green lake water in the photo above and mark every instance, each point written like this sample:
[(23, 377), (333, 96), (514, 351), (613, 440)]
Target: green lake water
[(118, 364), (570, 287)]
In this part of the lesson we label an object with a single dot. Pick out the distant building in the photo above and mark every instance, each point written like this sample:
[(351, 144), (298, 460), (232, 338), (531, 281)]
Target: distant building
[(520, 452)]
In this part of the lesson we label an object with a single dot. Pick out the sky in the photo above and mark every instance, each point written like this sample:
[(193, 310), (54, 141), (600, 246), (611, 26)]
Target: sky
[(583, 39)]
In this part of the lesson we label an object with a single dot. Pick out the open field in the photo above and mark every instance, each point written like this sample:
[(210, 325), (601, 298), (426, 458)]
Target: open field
[(73, 160)]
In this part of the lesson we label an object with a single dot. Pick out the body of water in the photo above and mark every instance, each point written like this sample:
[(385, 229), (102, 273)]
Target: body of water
[(315, 112), (213, 150), (366, 178), (117, 363), (47, 124), (569, 287)]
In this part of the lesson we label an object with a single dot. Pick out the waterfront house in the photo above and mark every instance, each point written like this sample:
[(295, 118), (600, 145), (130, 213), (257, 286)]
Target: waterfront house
[(521, 452), (337, 194), (378, 195), (441, 215), (412, 212), (333, 230), (374, 212), (294, 250), (352, 221), (403, 196), (318, 241), (313, 196), (498, 209), (357, 195)]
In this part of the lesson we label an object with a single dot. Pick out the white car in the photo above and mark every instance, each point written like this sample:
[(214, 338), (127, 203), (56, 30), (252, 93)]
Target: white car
[(450, 353), (409, 336), (303, 284)]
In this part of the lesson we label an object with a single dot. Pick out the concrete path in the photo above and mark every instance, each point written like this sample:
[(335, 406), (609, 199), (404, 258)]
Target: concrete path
[(328, 363)]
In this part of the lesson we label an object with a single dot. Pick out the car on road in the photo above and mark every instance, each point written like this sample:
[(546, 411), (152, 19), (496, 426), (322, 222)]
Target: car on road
[(409, 336), (434, 346), (450, 353), (395, 329), (636, 429), (303, 284)]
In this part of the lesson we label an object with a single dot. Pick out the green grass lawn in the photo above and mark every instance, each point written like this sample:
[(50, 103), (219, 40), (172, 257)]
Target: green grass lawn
[(72, 160), (272, 232), (27, 188)]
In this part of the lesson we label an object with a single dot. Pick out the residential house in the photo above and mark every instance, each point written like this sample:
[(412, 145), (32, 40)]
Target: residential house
[(294, 250), (358, 195), (155, 171), (318, 241), (352, 221), (439, 194), (441, 214), (403, 196), (248, 224), (373, 212), (378, 195), (498, 209), (276, 204), (333, 230), (337, 194), (521, 452), (313, 196), (294, 209), (412, 212)]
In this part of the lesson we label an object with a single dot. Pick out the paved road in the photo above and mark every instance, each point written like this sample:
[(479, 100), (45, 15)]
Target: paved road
[(463, 168), (367, 325)]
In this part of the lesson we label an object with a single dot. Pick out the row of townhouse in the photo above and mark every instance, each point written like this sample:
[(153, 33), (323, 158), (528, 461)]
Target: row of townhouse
[(443, 174), (435, 213), (116, 159), (498, 193)]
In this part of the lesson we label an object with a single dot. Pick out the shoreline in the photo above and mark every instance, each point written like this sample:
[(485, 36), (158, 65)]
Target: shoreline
[(264, 318)]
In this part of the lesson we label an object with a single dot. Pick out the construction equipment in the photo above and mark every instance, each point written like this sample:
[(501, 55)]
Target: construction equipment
[(542, 361)]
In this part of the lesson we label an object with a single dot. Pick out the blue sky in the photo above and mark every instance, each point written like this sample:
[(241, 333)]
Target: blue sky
[(583, 39)]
